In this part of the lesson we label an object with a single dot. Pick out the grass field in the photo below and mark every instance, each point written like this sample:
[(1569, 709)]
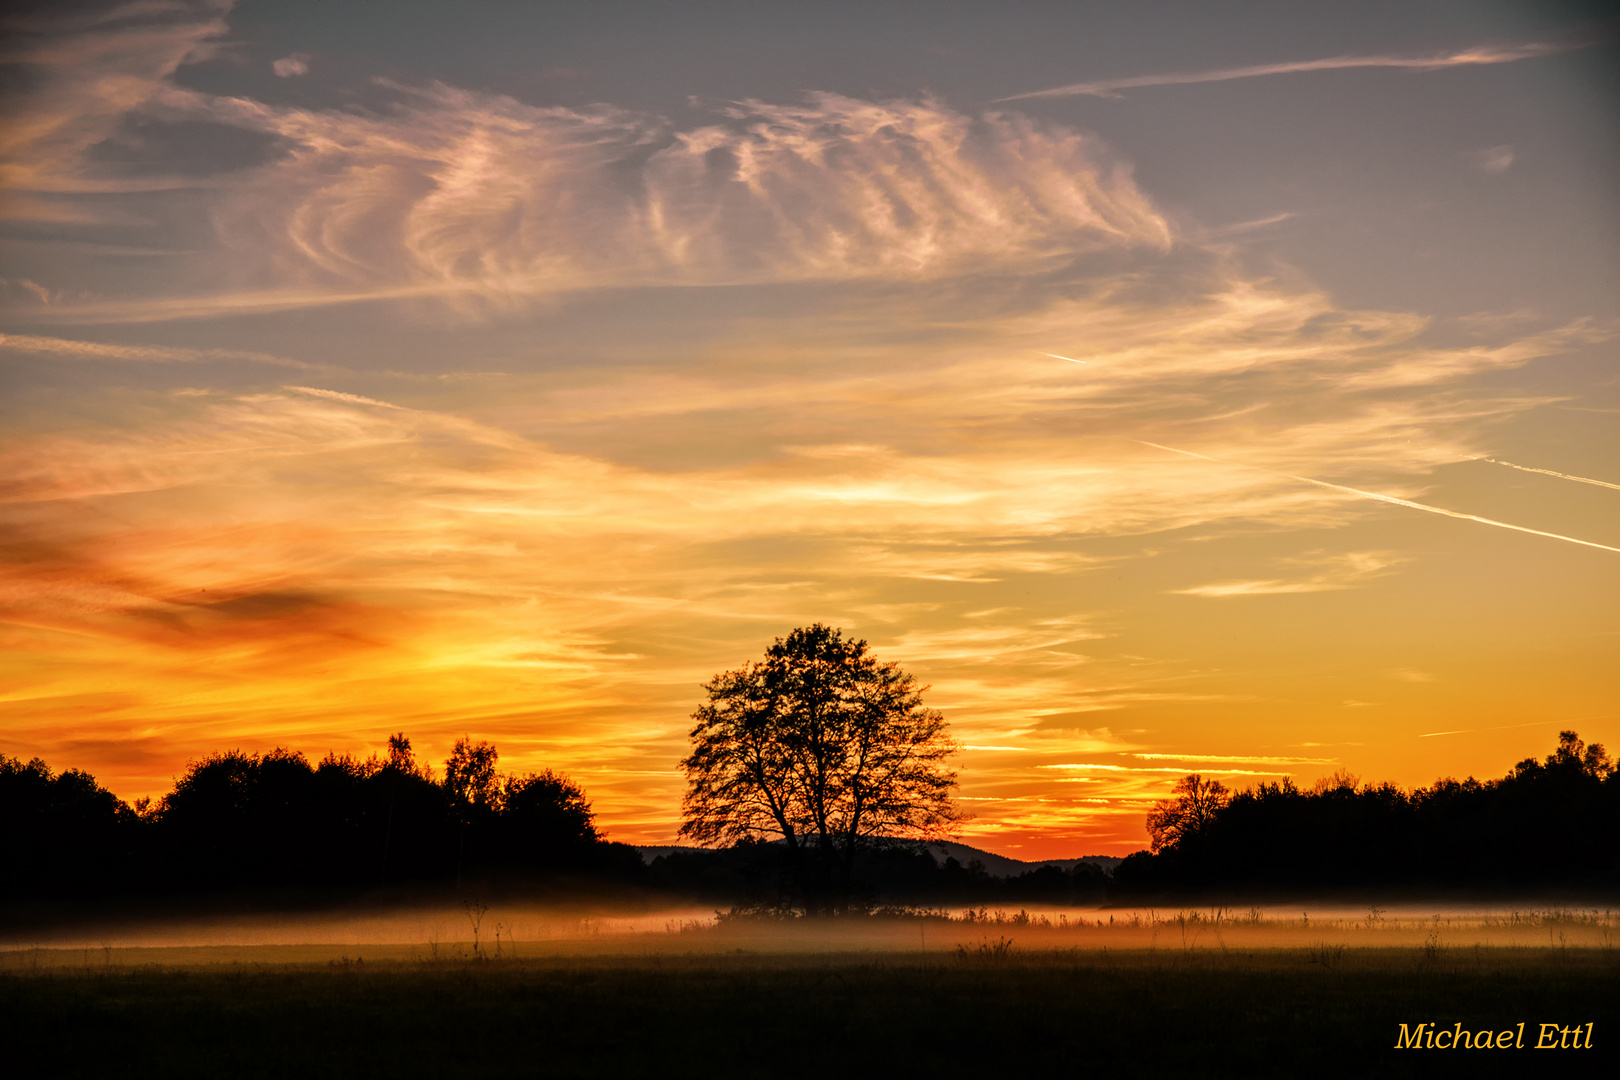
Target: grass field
[(735, 1004)]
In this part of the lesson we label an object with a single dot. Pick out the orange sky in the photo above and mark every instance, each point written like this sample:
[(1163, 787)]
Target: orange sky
[(466, 411)]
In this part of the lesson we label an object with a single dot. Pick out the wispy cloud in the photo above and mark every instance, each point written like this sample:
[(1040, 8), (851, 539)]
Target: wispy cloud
[(1256, 588), (1155, 770), (291, 66), (84, 74), (95, 350), (1485, 54), (1238, 758), (1334, 572), (1495, 160), (481, 199)]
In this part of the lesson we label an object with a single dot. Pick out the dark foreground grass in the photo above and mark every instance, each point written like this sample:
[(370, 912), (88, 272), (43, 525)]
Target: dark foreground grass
[(1268, 1013)]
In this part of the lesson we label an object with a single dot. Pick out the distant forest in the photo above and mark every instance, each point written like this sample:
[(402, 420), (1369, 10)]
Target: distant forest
[(1547, 826), (276, 827), (274, 822)]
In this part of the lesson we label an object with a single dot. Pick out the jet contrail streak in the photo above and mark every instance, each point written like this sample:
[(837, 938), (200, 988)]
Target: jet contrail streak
[(1550, 472), (1110, 88), (1509, 727), (1055, 356), (1386, 498)]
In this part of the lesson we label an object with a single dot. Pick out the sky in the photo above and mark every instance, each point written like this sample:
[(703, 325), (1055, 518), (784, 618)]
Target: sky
[(1218, 387)]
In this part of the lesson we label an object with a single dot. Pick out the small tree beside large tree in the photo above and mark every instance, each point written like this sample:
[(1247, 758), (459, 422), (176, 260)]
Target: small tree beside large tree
[(824, 748)]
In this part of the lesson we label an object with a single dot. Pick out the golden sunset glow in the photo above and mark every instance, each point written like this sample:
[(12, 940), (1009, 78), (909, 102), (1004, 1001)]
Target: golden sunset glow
[(393, 403)]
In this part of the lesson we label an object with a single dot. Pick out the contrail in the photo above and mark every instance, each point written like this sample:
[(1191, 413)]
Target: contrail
[(1109, 88), (1509, 727), (353, 399), (1055, 356), (1549, 472), (1385, 498)]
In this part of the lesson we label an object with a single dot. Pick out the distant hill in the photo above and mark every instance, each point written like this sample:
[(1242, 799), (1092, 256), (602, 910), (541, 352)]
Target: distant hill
[(995, 865), (1001, 866)]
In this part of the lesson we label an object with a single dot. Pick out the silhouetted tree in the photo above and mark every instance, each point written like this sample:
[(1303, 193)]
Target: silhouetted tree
[(61, 832), (401, 763), (549, 804), (1188, 814), (401, 758), (474, 788), (237, 819), (1573, 759), (470, 777), (823, 747)]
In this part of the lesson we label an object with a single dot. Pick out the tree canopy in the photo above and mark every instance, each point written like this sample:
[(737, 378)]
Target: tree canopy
[(822, 747), (1186, 815)]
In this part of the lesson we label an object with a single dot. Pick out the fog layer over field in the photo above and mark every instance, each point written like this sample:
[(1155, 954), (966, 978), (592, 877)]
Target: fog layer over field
[(517, 930)]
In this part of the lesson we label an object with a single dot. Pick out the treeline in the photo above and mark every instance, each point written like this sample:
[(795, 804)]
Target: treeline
[(275, 822), (1547, 826), (276, 826)]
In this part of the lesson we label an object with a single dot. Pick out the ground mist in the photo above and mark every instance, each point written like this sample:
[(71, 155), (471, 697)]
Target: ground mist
[(987, 1002)]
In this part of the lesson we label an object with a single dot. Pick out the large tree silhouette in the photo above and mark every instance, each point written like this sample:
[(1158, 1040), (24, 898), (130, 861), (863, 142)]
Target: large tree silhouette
[(822, 747), (1196, 802)]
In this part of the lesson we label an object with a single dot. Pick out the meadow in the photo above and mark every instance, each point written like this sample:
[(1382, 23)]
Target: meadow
[(972, 993)]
